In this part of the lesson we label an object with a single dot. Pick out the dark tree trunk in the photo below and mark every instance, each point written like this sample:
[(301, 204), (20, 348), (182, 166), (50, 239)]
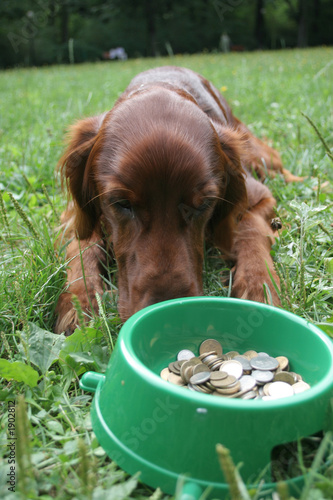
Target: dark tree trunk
[(64, 19), (259, 30), (52, 13), (151, 27), (315, 21), (302, 35)]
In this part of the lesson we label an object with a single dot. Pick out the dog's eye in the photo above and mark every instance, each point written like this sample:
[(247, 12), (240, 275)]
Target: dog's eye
[(124, 206)]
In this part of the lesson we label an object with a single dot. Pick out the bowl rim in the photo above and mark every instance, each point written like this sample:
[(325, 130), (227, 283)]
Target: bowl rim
[(126, 345)]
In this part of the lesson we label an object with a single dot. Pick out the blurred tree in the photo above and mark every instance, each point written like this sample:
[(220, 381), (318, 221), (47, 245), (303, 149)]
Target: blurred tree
[(299, 11), (38, 31)]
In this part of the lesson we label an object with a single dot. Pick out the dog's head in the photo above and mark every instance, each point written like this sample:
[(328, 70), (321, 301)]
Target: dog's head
[(158, 172)]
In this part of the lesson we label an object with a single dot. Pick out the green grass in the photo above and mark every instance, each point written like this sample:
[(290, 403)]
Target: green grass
[(59, 456)]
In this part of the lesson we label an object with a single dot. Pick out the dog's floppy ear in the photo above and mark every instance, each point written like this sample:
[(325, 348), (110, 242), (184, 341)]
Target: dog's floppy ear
[(76, 171), (233, 152)]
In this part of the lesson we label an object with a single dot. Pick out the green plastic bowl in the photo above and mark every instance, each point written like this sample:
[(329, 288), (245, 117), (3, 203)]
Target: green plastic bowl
[(147, 424)]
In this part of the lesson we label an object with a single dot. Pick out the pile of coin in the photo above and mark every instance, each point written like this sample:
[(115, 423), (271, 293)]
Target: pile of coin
[(251, 375)]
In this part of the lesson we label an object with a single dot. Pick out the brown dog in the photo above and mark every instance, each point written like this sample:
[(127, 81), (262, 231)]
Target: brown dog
[(165, 169)]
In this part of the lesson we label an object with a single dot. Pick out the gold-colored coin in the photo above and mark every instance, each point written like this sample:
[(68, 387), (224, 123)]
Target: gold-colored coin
[(175, 379), (209, 386), (231, 389), (226, 382), (165, 373), (284, 377), (297, 376), (249, 395), (231, 354), (250, 354), (283, 362), (266, 389), (238, 394), (300, 387), (174, 367), (189, 363), (211, 345), (205, 354), (187, 374), (219, 375), (206, 389), (200, 368)]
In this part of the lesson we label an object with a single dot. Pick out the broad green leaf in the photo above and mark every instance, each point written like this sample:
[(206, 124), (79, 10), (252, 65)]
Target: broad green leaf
[(55, 426), (18, 371), (78, 353), (43, 347), (310, 223), (118, 491), (305, 211)]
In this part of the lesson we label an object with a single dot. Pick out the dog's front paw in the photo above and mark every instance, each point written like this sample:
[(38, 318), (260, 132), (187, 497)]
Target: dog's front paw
[(68, 320), (250, 285)]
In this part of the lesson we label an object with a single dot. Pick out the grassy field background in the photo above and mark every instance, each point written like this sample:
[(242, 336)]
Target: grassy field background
[(57, 453)]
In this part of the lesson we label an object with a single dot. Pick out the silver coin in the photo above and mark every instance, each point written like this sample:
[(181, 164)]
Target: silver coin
[(199, 378), (264, 363), (247, 383), (262, 376), (208, 359), (185, 354), (280, 390), (249, 395), (232, 367), (244, 362)]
